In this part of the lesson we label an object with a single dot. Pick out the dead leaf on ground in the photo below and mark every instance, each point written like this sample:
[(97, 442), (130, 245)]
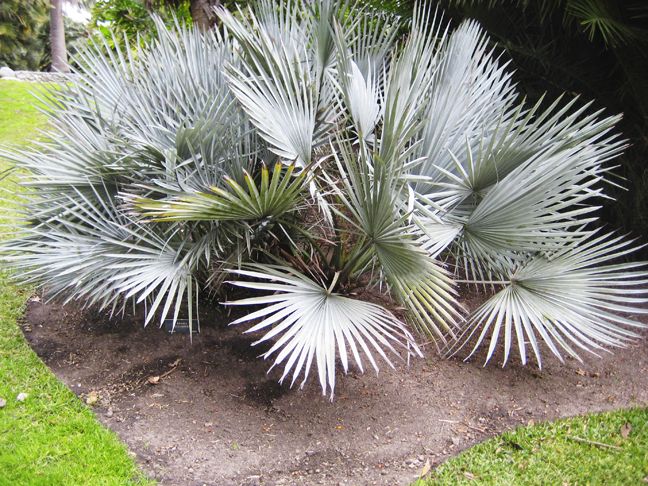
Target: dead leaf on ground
[(92, 398), (426, 469), (469, 475), (581, 372), (153, 380), (625, 430)]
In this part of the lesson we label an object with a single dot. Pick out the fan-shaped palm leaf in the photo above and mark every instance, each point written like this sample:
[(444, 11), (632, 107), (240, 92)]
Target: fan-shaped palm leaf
[(272, 198), (572, 298), (312, 322)]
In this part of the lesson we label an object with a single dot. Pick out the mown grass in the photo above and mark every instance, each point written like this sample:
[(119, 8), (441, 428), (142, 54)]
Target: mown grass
[(600, 449), (51, 438)]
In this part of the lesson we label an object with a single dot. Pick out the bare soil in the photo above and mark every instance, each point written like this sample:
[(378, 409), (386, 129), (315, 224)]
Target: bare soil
[(207, 413)]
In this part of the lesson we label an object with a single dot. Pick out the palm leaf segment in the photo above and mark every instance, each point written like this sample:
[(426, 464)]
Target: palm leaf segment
[(375, 208)]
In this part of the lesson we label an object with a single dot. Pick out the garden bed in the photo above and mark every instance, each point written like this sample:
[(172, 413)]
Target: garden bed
[(207, 413)]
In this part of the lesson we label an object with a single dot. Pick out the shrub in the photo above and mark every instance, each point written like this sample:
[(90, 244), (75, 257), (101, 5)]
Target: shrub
[(118, 22), (354, 179), (21, 23)]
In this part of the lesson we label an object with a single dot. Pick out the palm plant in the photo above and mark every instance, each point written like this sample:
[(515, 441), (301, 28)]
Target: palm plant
[(352, 181)]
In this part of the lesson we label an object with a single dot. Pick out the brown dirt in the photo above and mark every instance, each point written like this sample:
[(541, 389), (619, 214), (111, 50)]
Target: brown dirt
[(216, 418)]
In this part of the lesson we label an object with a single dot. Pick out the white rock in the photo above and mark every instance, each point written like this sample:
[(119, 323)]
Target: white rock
[(3, 402), (21, 397), (6, 72)]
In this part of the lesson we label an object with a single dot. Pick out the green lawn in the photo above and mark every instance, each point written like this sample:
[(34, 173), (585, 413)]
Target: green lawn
[(51, 438), (558, 453)]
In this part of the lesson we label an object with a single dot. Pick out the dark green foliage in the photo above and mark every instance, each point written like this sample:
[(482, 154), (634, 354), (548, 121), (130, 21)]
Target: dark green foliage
[(20, 24), (116, 20), (24, 35)]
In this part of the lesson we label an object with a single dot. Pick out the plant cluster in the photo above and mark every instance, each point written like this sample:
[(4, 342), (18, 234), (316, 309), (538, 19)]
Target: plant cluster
[(20, 25), (25, 35), (129, 21), (358, 180)]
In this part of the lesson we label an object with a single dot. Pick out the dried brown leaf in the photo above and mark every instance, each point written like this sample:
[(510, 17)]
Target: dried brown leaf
[(92, 398), (625, 430), (426, 469)]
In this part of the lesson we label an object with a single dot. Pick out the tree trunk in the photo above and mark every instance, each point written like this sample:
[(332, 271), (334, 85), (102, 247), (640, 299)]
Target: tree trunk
[(57, 38), (203, 14)]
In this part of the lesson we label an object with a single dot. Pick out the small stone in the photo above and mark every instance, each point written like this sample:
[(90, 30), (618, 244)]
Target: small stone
[(21, 397), (6, 72), (455, 441), (3, 402), (253, 480), (109, 412)]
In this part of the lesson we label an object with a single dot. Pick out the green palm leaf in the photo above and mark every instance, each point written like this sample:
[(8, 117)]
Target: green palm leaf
[(272, 197), (371, 193)]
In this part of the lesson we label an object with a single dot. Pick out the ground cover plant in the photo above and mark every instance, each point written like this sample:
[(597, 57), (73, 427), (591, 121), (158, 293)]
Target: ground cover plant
[(360, 181), (50, 437)]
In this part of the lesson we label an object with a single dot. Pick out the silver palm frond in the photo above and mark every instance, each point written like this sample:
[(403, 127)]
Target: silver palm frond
[(312, 323)]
